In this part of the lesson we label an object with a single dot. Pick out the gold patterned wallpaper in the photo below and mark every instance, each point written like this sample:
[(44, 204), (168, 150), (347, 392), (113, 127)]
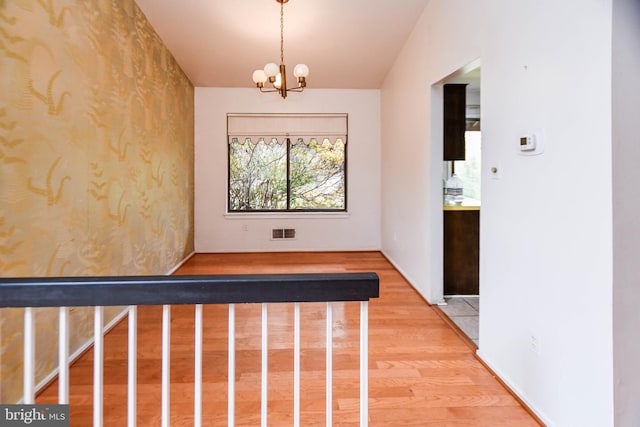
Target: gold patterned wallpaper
[(96, 157)]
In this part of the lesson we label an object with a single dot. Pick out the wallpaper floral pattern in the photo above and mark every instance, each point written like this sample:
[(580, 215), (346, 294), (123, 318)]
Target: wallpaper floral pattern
[(96, 157)]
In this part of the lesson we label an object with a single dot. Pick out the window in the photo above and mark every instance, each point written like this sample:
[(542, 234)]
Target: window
[(469, 169), (287, 163)]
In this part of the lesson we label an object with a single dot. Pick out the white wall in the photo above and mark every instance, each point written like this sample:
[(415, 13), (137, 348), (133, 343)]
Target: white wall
[(546, 225), (626, 202), (359, 229)]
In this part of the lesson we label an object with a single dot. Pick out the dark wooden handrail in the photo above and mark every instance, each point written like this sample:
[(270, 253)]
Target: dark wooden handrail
[(192, 289)]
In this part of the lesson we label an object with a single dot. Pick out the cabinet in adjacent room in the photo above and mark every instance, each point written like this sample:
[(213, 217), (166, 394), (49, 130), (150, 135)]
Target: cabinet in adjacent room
[(454, 113), (461, 251)]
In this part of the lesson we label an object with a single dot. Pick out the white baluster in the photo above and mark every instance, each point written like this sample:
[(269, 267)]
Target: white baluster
[(98, 365), (197, 389), (231, 370), (296, 364), (364, 363), (265, 376), (132, 367), (29, 357), (329, 369), (63, 356), (166, 365)]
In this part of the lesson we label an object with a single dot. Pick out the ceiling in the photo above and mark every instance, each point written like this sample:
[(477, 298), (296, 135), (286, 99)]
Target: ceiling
[(345, 43)]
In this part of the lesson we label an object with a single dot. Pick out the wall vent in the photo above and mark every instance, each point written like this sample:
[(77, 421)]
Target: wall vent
[(283, 233)]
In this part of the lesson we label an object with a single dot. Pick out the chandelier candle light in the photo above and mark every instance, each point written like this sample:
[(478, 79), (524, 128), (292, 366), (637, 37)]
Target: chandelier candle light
[(277, 75)]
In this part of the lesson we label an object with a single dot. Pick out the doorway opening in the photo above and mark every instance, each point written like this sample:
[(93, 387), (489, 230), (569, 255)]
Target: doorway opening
[(461, 202)]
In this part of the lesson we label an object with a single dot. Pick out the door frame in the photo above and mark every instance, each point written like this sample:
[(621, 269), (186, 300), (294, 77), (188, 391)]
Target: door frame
[(436, 166)]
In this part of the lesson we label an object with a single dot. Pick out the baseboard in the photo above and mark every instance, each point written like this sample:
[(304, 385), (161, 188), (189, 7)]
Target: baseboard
[(478, 355), (282, 250), (515, 392), (180, 264), (459, 332), (398, 268), (87, 345), (407, 278)]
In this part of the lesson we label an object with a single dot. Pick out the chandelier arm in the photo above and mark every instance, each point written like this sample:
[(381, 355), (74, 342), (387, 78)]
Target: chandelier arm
[(263, 90)]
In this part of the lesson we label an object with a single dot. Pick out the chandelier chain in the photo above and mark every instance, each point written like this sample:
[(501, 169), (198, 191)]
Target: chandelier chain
[(282, 32)]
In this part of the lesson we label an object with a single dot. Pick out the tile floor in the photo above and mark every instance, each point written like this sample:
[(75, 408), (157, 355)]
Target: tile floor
[(464, 312)]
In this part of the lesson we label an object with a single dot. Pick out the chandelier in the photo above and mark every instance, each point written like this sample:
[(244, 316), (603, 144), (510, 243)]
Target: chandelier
[(277, 75)]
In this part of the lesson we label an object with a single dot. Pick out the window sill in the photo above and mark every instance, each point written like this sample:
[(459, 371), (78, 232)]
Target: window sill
[(288, 215)]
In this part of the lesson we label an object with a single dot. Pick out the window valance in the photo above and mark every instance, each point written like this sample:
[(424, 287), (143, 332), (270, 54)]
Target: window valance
[(276, 128)]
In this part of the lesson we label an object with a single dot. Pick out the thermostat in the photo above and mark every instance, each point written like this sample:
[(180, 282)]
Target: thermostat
[(528, 143), (531, 142)]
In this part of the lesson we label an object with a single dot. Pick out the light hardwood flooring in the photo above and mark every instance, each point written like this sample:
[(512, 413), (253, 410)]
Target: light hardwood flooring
[(421, 372)]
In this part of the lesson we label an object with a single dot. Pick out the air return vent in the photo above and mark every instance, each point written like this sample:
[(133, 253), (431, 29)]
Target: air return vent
[(283, 233)]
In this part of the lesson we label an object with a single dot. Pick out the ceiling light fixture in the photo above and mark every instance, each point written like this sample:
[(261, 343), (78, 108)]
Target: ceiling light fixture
[(277, 75)]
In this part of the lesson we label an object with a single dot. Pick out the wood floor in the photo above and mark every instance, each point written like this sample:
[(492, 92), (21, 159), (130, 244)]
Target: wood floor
[(421, 372)]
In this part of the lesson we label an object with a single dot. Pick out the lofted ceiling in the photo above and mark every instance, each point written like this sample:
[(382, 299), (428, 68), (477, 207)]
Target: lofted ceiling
[(345, 43)]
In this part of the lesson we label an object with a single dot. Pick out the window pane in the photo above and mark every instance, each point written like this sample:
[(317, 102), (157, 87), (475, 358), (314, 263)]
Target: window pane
[(469, 170), (257, 176), (318, 175)]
